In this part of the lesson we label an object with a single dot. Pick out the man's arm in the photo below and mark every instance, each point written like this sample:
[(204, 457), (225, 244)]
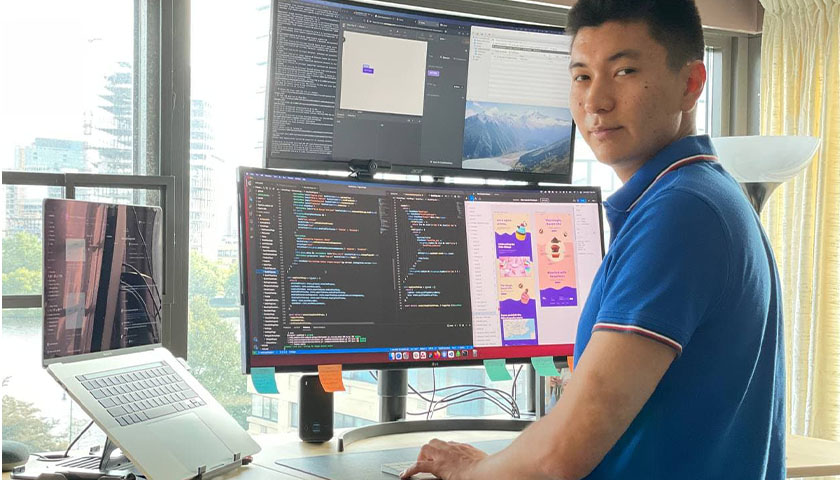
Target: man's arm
[(613, 379)]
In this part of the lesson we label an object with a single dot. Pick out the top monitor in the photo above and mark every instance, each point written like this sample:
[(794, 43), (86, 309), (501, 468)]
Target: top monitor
[(422, 92)]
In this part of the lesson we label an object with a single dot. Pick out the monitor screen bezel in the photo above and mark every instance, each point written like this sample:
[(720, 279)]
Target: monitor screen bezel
[(281, 161), (567, 349)]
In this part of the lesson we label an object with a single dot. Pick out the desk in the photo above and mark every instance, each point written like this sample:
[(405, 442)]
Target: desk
[(812, 457), (806, 457)]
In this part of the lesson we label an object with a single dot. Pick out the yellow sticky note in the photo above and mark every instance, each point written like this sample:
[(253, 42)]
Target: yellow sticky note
[(330, 376)]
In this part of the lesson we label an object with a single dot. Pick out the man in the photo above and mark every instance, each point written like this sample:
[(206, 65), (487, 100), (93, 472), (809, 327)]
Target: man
[(679, 358)]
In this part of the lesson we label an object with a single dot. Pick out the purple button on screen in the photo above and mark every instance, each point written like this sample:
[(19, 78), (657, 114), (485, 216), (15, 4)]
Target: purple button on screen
[(433, 73), (367, 68)]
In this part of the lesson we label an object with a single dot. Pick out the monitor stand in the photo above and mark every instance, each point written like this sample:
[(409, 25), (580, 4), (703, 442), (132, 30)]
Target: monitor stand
[(392, 387)]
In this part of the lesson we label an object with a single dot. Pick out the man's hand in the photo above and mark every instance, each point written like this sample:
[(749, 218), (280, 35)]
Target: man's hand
[(447, 460), (613, 379)]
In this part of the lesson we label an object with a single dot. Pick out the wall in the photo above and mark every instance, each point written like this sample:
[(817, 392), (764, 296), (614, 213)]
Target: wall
[(732, 15)]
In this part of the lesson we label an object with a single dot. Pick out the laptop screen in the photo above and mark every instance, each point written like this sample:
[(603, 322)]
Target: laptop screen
[(103, 266)]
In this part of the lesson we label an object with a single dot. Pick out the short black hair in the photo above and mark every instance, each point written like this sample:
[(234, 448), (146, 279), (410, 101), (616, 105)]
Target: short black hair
[(674, 24)]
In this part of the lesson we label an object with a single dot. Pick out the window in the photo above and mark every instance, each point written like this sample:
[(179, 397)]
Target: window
[(264, 407), (80, 123), (293, 415), (36, 411), (22, 238), (225, 132), (86, 135)]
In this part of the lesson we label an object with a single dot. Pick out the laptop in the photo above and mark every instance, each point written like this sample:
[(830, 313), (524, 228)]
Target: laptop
[(102, 298)]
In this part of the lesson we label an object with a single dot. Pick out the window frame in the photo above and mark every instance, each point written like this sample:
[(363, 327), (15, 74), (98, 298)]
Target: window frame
[(161, 133), (734, 79)]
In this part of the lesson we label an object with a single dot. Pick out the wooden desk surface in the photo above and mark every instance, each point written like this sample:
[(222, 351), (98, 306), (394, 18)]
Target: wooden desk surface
[(812, 457), (806, 457)]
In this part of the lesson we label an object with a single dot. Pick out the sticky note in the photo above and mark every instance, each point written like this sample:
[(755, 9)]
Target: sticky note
[(545, 366), (496, 369), (263, 379), (330, 376), (571, 361)]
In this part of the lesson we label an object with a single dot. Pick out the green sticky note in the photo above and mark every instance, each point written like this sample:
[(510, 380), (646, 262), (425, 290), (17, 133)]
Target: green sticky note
[(263, 379), (496, 369), (545, 366)]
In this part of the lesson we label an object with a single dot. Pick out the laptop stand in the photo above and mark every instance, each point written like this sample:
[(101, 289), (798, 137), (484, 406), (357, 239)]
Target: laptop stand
[(84, 466), (104, 465)]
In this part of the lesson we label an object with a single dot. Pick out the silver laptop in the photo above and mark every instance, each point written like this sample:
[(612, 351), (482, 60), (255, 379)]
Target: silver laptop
[(103, 267)]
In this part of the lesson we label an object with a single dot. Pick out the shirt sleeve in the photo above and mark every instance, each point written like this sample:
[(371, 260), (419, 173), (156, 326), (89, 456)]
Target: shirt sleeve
[(670, 270)]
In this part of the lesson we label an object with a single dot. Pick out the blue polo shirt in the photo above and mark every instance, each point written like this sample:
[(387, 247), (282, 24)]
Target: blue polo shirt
[(690, 266)]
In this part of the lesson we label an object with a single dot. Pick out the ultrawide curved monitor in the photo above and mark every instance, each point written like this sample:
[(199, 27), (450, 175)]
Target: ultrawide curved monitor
[(390, 275), (425, 93)]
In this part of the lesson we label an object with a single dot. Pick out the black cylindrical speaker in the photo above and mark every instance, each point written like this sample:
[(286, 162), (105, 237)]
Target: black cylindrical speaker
[(315, 411)]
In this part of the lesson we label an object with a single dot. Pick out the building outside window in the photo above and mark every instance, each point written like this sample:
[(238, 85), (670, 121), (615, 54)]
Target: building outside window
[(264, 407)]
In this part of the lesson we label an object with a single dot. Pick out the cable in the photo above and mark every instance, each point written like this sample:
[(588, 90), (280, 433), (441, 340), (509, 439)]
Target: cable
[(77, 438), (157, 306), (506, 401), (449, 404), (149, 284), (146, 252), (505, 396), (483, 397), (429, 413), (133, 291), (148, 262), (513, 388), (509, 407)]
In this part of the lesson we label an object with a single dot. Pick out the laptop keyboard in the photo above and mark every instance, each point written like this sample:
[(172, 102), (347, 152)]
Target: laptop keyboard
[(138, 394)]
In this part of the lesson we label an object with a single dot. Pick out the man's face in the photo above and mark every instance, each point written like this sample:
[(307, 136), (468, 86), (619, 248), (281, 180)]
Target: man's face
[(626, 102)]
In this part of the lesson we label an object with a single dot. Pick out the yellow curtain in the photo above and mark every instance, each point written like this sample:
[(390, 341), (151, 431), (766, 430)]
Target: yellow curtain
[(800, 95)]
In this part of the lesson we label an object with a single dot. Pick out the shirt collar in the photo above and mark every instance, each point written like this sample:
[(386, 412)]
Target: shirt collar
[(684, 150)]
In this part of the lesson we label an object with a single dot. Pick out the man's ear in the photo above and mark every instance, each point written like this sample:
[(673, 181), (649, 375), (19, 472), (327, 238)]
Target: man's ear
[(695, 81)]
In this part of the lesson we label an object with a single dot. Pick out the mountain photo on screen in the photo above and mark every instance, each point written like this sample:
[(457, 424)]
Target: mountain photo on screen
[(510, 137)]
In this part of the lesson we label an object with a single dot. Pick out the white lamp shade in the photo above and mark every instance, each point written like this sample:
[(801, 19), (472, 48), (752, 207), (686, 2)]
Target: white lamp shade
[(759, 158)]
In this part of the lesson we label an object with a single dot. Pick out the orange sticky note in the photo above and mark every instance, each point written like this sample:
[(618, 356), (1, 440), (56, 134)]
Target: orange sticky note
[(571, 361), (330, 376)]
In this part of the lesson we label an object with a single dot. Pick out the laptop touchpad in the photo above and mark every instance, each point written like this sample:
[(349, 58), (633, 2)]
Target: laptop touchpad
[(189, 439)]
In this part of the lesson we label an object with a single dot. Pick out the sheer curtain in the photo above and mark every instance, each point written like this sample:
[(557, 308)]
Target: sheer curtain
[(800, 95)]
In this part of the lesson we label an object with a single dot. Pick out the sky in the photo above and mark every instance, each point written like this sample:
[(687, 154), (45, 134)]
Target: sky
[(55, 55), (53, 59)]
